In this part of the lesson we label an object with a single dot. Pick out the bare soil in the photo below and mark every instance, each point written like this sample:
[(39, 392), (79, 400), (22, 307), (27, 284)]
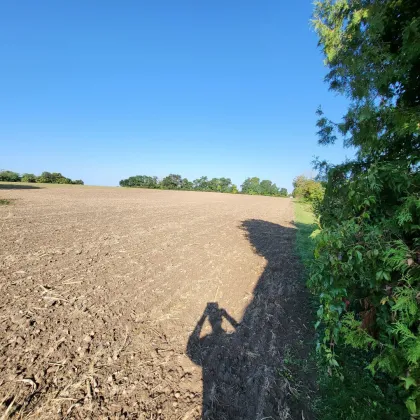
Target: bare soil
[(141, 304)]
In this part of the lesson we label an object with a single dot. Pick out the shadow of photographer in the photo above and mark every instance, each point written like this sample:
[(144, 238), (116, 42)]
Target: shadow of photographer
[(244, 374)]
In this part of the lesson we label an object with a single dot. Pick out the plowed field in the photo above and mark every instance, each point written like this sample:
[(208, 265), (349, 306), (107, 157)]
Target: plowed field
[(130, 303)]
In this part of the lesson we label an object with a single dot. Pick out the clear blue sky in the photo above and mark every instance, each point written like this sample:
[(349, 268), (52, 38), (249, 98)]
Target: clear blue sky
[(101, 90)]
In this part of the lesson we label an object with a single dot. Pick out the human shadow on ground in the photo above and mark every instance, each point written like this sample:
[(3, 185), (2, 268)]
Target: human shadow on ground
[(260, 370), (19, 187)]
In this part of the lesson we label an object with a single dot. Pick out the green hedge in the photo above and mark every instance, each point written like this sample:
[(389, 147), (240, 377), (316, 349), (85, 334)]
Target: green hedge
[(367, 256)]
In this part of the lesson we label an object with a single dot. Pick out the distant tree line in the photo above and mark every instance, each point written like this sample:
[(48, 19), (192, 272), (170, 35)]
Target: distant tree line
[(254, 186), (175, 182), (45, 177)]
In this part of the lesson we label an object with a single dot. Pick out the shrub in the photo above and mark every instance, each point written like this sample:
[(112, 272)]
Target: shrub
[(367, 257), (307, 189)]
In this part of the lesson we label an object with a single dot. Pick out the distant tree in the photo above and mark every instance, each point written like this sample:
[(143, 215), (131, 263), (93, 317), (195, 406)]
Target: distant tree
[(28, 178), (140, 181), (171, 182), (251, 186), (63, 180), (214, 185), (298, 183), (201, 184), (233, 189), (186, 184), (9, 176), (225, 184), (265, 187), (53, 178), (78, 182), (218, 185), (275, 190), (268, 188), (45, 178), (57, 178)]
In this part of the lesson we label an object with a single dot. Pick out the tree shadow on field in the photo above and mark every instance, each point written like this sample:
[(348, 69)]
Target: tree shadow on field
[(261, 369), (19, 186)]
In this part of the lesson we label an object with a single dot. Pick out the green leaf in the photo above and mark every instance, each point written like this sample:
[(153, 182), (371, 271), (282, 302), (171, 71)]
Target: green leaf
[(411, 406), (408, 381), (334, 362)]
